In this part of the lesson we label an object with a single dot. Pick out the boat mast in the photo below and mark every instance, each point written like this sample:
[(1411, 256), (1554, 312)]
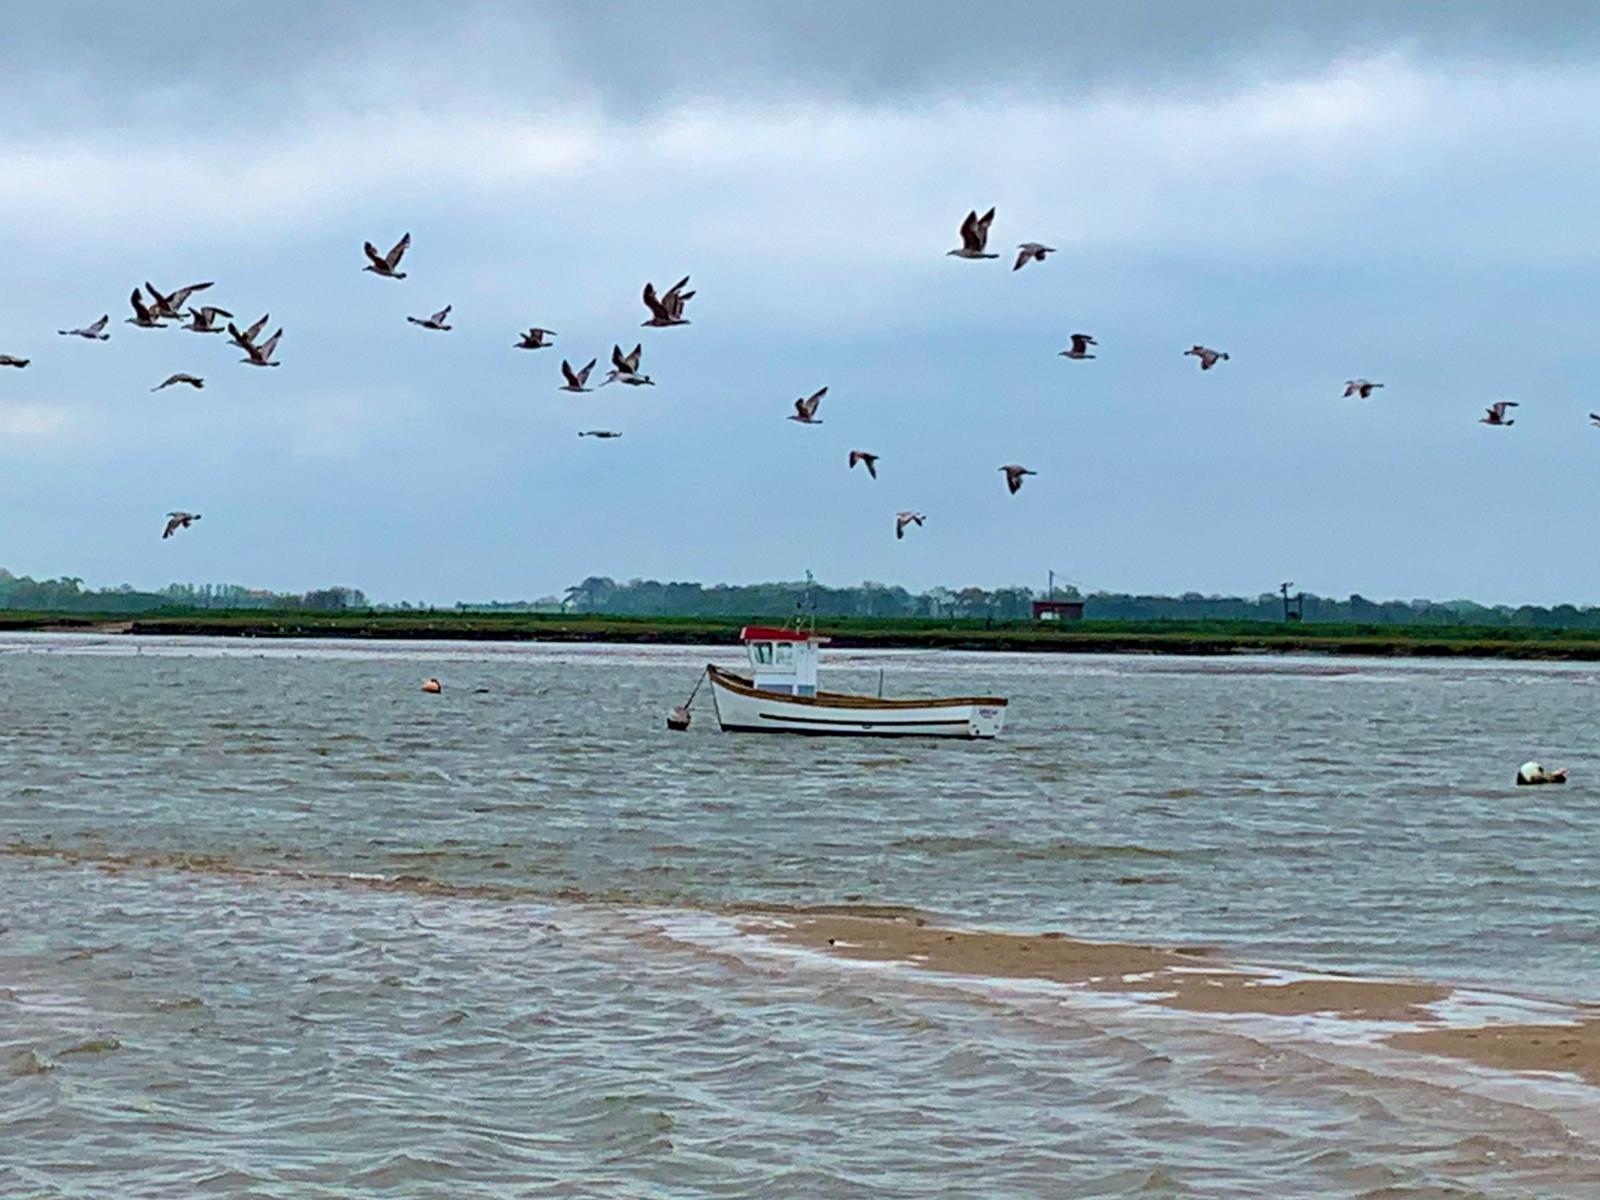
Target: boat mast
[(805, 609)]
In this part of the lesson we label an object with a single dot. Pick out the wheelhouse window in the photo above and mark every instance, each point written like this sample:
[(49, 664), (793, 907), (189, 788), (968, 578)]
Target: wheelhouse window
[(785, 654), (761, 653)]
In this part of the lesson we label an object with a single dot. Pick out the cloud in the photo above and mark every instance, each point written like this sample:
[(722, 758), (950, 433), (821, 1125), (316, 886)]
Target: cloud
[(1352, 147), (193, 63), (282, 181), (777, 183), (31, 420), (1371, 193)]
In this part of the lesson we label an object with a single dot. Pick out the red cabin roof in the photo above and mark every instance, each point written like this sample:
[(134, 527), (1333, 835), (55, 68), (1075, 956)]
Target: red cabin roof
[(766, 633)]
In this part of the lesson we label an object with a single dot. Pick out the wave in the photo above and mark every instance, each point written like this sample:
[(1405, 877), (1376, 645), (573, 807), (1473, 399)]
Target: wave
[(1401, 1020), (1504, 1031), (1029, 851)]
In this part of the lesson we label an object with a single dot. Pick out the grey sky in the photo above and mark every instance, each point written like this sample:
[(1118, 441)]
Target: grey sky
[(1322, 190), (643, 56)]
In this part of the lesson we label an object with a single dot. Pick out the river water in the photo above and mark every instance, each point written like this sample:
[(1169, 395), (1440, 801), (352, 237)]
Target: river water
[(277, 924)]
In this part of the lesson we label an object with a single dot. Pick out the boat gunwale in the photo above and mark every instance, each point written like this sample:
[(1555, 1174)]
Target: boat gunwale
[(744, 687)]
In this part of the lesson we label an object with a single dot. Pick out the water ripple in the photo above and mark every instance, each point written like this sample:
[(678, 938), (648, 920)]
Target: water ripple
[(278, 925)]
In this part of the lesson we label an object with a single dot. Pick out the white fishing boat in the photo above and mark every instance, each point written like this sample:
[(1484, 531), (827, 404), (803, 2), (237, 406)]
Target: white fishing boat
[(781, 696)]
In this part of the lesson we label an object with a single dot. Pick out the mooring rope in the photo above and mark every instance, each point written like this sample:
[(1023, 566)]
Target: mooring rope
[(696, 687)]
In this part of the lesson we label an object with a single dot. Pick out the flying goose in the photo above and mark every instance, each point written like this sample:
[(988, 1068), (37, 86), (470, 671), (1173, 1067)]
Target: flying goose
[(805, 411), (901, 520), (1594, 419), (11, 360), (170, 308), (204, 320), (177, 521), (95, 333), (1080, 346), (385, 264), (1031, 252), (576, 380), (143, 315), (1495, 414), (436, 321), (1014, 476), (1359, 387), (975, 236), (870, 461), (261, 356), (626, 368), (193, 381), (247, 339), (535, 339), (1207, 356), (667, 308), (600, 433)]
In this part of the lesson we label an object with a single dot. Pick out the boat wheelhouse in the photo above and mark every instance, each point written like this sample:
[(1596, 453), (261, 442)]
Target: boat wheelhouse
[(782, 660), (781, 695)]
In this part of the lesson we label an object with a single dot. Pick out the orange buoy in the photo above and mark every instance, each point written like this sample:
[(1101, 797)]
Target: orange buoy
[(432, 686), (678, 718)]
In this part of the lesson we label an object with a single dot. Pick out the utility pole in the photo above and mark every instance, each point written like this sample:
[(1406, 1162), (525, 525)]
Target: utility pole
[(1298, 610)]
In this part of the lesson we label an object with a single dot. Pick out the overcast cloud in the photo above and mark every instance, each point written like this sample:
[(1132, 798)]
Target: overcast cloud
[(1322, 190)]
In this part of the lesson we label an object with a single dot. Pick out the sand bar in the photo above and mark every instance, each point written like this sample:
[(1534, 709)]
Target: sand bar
[(1571, 1049), (1169, 972), (1191, 978)]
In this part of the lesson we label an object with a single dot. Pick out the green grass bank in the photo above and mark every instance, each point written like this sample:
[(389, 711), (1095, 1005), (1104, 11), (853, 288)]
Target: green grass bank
[(1114, 637)]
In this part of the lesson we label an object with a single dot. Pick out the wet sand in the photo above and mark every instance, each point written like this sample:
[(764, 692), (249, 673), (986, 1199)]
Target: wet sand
[(1190, 978), (1571, 1049)]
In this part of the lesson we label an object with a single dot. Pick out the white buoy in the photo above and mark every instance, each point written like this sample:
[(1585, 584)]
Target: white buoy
[(1531, 773)]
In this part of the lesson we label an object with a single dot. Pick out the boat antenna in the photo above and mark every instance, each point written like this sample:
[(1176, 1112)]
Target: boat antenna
[(805, 608)]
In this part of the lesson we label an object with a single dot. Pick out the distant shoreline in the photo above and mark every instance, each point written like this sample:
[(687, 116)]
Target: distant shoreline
[(1213, 638)]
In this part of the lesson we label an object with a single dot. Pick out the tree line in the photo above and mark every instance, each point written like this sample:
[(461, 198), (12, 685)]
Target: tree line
[(647, 597), (68, 594)]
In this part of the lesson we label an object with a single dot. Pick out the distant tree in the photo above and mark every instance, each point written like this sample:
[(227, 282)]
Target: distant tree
[(973, 602), (1013, 603), (592, 595), (325, 600)]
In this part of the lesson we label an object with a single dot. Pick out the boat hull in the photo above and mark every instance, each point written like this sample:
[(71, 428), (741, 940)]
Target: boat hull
[(743, 708)]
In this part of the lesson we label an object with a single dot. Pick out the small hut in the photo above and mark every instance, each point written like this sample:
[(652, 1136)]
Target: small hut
[(1058, 610)]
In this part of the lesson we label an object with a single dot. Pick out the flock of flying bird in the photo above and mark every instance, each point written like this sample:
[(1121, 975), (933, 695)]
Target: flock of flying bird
[(160, 310), (974, 245)]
